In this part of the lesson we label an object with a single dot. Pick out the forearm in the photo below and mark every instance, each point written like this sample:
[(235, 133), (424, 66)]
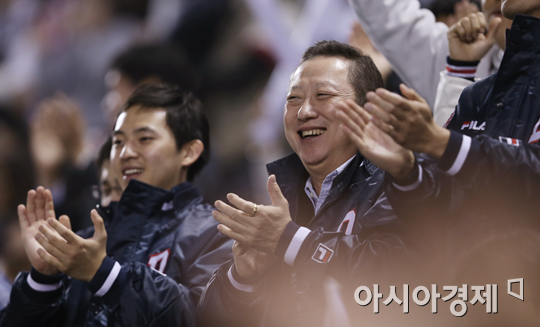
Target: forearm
[(229, 300), (35, 300), (409, 38)]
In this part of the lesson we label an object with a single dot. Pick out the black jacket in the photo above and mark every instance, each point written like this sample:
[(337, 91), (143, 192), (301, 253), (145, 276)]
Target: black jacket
[(353, 236), (167, 245), (506, 104), (482, 194)]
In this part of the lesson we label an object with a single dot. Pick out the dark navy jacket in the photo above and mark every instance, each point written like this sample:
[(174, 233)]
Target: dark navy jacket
[(506, 104), (353, 236), (167, 245), (505, 107), (484, 189)]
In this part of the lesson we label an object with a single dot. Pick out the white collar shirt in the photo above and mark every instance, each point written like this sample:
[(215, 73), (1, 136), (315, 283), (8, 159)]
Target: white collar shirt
[(326, 187)]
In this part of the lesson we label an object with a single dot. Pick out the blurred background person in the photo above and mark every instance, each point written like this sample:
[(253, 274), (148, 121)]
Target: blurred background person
[(16, 176)]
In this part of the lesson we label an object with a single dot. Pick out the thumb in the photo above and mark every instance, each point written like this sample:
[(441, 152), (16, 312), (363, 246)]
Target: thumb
[(64, 220), (492, 28), (99, 225), (275, 192), (410, 93)]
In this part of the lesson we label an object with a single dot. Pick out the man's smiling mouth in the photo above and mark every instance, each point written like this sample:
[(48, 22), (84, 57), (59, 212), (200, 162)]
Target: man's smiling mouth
[(311, 132), (132, 171)]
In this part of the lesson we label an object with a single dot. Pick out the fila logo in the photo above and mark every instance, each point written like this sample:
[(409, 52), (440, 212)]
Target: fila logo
[(348, 223), (510, 141), (536, 133), (473, 125), (323, 254), (158, 261)]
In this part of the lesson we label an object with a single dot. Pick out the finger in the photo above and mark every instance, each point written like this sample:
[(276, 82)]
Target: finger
[(100, 232), (483, 23), (460, 31), (231, 233), (410, 93), (467, 26), (492, 29), (241, 204), (356, 139), (388, 129), (23, 219), (350, 125), (275, 192), (230, 223), (49, 205), (351, 118), (355, 112), (40, 203), (388, 118), (49, 247), (65, 235), (64, 220), (53, 237), (50, 259), (380, 102), (475, 26), (31, 206), (233, 213)]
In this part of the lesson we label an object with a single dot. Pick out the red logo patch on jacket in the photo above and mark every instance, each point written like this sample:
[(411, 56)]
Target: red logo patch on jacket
[(348, 223), (159, 260), (323, 254)]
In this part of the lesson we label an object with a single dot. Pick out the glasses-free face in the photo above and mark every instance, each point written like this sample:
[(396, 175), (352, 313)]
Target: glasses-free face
[(313, 133), (144, 148)]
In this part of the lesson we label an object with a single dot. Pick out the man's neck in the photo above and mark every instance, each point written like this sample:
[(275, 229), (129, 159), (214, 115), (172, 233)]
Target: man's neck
[(318, 174)]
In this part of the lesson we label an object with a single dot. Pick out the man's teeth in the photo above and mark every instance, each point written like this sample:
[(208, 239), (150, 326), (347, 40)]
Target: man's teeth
[(133, 171), (313, 132)]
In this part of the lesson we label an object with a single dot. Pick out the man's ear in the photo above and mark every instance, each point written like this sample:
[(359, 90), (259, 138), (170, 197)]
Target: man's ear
[(191, 152)]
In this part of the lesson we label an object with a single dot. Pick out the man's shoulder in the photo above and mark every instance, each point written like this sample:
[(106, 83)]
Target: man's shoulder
[(474, 97)]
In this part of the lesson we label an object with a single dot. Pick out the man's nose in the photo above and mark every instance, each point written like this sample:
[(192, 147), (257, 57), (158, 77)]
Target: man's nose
[(307, 111), (128, 152)]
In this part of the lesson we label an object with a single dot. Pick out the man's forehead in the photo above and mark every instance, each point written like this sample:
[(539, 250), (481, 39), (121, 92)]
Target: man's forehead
[(140, 116), (320, 71)]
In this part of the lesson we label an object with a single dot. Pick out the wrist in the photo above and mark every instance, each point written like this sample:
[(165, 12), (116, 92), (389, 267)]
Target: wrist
[(406, 168), (435, 148), (459, 66)]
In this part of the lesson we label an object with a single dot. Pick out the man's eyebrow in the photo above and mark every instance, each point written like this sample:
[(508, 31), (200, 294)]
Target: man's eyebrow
[(296, 87), (327, 83), (117, 132), (144, 129)]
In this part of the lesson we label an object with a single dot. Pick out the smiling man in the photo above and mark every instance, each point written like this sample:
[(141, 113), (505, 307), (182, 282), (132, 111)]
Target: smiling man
[(150, 257), (328, 217)]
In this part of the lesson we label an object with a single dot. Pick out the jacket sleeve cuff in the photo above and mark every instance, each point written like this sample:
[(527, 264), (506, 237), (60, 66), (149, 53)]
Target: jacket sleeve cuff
[(290, 242), (106, 276), (248, 285), (455, 154), (42, 288), (43, 283), (463, 69), (411, 181)]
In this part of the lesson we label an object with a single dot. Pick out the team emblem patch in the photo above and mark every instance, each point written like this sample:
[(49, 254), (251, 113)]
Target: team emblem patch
[(348, 223), (323, 254), (510, 141), (536, 134), (159, 260)]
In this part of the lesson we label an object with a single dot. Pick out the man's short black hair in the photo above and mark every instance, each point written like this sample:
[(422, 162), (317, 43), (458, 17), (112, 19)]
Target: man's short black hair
[(104, 154), (363, 74), (164, 61), (185, 116)]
